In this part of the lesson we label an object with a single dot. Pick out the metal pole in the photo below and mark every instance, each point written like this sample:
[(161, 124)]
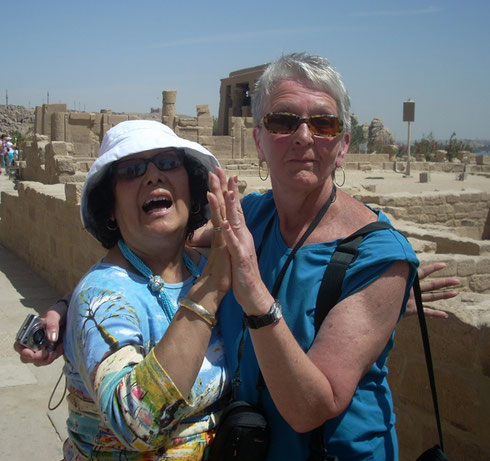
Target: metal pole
[(408, 152)]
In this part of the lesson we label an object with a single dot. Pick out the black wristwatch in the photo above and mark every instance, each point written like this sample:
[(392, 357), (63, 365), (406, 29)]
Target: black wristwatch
[(259, 321)]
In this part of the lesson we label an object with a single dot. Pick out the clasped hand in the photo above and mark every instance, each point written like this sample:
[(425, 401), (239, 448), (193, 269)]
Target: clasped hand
[(248, 288)]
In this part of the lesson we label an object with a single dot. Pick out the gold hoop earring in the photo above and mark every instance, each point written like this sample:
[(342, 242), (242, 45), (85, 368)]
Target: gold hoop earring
[(111, 225), (260, 171), (335, 179), (193, 209)]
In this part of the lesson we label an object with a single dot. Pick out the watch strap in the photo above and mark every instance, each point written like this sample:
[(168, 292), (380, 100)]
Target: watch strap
[(258, 321)]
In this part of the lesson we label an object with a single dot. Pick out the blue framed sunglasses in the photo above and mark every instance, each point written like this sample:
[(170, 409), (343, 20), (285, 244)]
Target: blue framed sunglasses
[(131, 168)]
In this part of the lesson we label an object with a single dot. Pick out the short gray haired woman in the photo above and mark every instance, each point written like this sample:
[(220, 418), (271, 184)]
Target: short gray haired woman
[(338, 377)]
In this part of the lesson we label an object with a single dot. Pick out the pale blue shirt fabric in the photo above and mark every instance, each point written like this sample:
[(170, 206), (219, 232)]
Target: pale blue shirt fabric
[(122, 304)]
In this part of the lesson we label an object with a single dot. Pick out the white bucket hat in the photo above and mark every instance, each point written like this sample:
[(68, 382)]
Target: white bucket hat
[(128, 138)]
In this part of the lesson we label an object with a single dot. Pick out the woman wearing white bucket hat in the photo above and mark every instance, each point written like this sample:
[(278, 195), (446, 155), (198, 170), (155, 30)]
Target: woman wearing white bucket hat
[(145, 310)]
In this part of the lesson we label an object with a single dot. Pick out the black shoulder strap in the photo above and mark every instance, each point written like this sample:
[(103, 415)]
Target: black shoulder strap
[(428, 356), (328, 295), (344, 254), (329, 292)]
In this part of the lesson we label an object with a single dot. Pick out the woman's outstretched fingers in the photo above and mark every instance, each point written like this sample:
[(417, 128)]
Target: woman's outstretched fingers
[(222, 184), (235, 218), (215, 187)]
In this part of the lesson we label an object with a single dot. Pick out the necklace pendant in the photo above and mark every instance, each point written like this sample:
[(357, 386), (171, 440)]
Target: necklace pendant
[(155, 283)]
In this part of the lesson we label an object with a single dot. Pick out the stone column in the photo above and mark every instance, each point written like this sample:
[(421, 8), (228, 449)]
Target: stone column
[(38, 120), (169, 99), (58, 126)]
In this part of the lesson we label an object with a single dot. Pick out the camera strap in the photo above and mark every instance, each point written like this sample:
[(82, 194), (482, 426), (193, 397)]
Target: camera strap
[(277, 284), (260, 382), (54, 390)]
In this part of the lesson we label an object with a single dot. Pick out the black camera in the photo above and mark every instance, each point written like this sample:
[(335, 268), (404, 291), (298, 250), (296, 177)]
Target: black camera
[(242, 434), (32, 334)]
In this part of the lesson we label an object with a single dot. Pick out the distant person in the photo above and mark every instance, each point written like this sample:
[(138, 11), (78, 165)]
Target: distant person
[(11, 148), (3, 152)]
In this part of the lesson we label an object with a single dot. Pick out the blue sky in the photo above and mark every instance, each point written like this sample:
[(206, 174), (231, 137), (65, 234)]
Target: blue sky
[(122, 54)]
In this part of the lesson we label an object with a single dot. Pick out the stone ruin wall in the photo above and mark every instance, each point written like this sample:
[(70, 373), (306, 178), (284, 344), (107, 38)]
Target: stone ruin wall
[(41, 224), (459, 347), (65, 144), (237, 146)]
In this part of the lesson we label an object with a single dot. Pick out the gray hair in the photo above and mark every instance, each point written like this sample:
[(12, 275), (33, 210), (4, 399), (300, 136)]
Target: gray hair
[(315, 70)]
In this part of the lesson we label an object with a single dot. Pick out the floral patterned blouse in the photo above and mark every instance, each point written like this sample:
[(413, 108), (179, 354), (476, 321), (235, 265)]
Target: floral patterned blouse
[(122, 403)]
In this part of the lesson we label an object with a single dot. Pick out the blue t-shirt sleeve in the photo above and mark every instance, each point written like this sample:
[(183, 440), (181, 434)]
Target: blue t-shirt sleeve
[(377, 253)]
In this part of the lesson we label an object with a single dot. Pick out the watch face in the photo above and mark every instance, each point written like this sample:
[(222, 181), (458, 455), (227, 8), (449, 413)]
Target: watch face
[(277, 312)]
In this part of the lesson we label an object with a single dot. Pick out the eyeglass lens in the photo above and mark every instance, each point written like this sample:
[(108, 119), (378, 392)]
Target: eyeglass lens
[(285, 123), (136, 167)]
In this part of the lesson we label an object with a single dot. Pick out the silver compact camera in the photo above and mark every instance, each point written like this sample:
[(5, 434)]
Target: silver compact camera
[(32, 334)]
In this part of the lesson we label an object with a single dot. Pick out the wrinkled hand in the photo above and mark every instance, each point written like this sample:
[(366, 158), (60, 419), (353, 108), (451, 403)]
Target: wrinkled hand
[(248, 287), (215, 280), (54, 319), (430, 289)]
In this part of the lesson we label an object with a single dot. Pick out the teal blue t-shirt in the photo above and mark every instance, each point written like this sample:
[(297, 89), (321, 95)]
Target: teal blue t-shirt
[(366, 429)]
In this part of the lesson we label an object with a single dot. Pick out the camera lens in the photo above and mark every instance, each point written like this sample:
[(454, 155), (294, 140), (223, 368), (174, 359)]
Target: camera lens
[(38, 336)]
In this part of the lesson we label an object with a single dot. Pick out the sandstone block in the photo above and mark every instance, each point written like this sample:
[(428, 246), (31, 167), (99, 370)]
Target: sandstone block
[(205, 131), (446, 245), (400, 166), (460, 400), (77, 117), (415, 210), (369, 187), (77, 177), (65, 165), (482, 159), (466, 267), (483, 266), (115, 119), (440, 156), (187, 122), (422, 246), (480, 283), (418, 393), (73, 193), (351, 165), (463, 354), (60, 148), (190, 132)]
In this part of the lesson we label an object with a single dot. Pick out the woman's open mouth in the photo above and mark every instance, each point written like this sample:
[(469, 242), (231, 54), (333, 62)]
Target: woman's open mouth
[(157, 204)]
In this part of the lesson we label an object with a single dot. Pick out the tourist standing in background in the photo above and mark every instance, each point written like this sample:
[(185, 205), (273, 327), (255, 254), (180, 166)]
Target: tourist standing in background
[(3, 152)]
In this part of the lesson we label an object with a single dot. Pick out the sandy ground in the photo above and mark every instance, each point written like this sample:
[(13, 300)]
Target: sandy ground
[(388, 182)]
